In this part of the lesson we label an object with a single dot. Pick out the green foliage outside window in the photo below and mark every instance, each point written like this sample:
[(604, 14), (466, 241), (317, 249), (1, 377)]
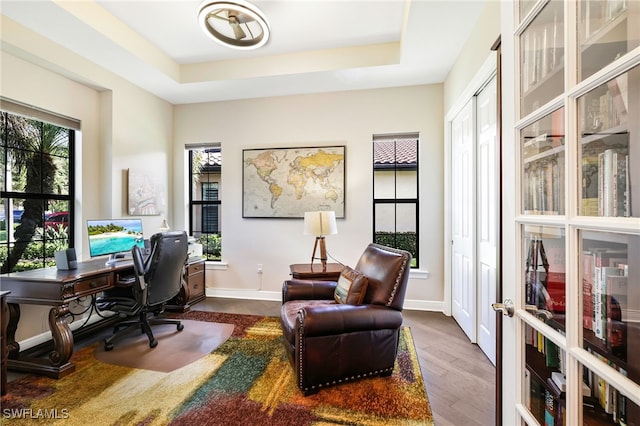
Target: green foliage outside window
[(400, 240), (211, 246)]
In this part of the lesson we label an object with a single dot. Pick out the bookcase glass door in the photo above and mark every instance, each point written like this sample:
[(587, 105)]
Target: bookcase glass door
[(543, 165), (610, 323), (610, 147), (542, 58), (574, 232), (607, 30)]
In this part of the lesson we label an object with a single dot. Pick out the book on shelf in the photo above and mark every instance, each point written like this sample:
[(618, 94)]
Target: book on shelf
[(618, 92), (555, 254), (550, 408), (596, 263), (544, 189), (617, 287), (589, 185), (602, 276), (542, 47), (559, 380), (613, 184), (622, 198), (587, 288), (536, 398), (551, 354)]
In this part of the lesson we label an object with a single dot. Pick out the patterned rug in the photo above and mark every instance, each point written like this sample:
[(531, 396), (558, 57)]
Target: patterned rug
[(245, 381)]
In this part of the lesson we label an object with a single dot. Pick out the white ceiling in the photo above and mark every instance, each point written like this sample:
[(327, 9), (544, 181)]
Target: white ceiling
[(315, 45)]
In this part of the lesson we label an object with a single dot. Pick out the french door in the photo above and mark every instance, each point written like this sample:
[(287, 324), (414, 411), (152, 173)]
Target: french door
[(571, 212)]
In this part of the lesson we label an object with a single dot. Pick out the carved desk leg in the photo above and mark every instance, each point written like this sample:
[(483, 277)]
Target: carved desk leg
[(62, 335), (13, 347), (58, 364)]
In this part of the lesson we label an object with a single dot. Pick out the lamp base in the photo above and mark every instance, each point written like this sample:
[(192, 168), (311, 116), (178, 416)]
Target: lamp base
[(323, 253)]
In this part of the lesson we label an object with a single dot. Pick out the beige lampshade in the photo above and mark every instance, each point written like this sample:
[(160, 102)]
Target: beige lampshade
[(320, 223)]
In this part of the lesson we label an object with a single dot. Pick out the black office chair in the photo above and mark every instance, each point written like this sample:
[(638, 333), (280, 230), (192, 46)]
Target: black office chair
[(157, 281)]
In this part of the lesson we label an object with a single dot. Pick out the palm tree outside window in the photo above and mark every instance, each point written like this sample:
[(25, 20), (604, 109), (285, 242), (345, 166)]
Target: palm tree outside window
[(37, 190)]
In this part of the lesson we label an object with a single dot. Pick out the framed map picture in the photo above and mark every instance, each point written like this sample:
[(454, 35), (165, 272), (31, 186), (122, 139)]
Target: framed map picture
[(286, 182)]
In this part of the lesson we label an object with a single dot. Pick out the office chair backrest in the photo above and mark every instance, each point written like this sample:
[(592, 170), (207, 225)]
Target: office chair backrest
[(163, 271)]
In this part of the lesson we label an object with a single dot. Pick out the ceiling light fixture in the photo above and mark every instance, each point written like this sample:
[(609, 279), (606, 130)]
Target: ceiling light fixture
[(237, 23)]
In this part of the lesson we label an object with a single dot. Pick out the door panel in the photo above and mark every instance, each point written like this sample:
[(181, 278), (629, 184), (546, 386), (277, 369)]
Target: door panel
[(487, 207), (463, 206)]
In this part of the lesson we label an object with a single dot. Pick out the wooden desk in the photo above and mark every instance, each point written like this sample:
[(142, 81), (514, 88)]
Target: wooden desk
[(313, 271), (55, 288), (4, 319)]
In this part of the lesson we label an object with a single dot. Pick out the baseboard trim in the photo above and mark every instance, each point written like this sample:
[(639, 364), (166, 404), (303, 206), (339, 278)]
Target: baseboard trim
[(251, 294), (46, 336), (412, 304)]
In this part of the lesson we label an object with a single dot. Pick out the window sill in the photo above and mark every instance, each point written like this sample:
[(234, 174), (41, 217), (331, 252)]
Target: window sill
[(419, 274), (216, 265)]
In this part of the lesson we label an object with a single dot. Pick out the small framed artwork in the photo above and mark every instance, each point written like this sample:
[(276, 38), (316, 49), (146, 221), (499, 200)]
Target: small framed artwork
[(147, 194), (286, 182)]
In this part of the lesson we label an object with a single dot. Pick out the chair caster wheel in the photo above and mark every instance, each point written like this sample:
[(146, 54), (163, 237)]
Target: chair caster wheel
[(153, 343), (180, 327), (108, 346)]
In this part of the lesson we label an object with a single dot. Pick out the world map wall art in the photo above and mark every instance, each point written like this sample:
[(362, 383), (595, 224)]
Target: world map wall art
[(286, 182)]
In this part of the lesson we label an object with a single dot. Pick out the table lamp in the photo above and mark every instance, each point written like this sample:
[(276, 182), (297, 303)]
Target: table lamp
[(320, 224)]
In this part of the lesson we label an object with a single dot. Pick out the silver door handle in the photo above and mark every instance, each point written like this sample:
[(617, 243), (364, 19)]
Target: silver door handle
[(506, 307)]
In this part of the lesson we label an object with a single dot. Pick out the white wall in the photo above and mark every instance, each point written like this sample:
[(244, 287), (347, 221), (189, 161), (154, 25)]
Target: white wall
[(349, 118), (473, 54), (121, 127)]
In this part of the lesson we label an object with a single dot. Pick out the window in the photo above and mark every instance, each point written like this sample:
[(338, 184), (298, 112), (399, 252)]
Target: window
[(205, 172), (395, 192), (210, 222), (36, 208)]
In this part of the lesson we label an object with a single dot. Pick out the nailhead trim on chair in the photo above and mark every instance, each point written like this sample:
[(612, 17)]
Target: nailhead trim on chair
[(400, 272), (329, 383), (347, 379), (300, 339)]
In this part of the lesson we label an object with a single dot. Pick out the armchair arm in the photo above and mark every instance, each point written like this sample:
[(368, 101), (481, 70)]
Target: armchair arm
[(320, 320), (297, 289)]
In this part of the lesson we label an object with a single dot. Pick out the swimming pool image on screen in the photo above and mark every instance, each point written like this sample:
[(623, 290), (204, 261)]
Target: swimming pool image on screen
[(114, 236)]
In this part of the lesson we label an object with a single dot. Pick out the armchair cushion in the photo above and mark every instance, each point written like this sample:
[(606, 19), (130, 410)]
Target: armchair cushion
[(351, 287)]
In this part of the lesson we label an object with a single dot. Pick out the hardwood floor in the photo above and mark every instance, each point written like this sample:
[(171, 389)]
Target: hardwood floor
[(459, 378)]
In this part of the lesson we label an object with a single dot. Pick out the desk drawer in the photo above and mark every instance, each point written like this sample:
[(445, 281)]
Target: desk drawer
[(92, 285), (194, 268)]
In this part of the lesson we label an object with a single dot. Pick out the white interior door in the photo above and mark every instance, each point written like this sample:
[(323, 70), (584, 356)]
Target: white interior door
[(463, 290), (487, 221)]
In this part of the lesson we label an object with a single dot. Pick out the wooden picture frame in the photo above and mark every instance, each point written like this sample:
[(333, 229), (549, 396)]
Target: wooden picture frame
[(286, 182)]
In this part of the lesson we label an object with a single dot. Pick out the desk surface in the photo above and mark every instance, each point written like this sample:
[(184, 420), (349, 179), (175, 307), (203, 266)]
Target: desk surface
[(51, 285), (85, 269)]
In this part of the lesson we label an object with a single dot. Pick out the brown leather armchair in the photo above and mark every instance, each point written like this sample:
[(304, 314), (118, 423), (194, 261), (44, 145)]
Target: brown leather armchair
[(330, 343)]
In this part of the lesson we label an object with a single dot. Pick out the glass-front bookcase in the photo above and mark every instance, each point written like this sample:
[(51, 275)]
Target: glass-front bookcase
[(578, 183)]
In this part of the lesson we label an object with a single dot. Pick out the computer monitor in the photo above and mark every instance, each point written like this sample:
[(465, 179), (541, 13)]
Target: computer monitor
[(113, 237)]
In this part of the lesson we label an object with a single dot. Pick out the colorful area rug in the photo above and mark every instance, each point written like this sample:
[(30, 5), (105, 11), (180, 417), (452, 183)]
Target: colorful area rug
[(245, 381)]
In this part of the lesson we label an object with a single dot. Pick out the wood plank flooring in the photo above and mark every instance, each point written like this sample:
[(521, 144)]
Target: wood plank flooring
[(460, 380)]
